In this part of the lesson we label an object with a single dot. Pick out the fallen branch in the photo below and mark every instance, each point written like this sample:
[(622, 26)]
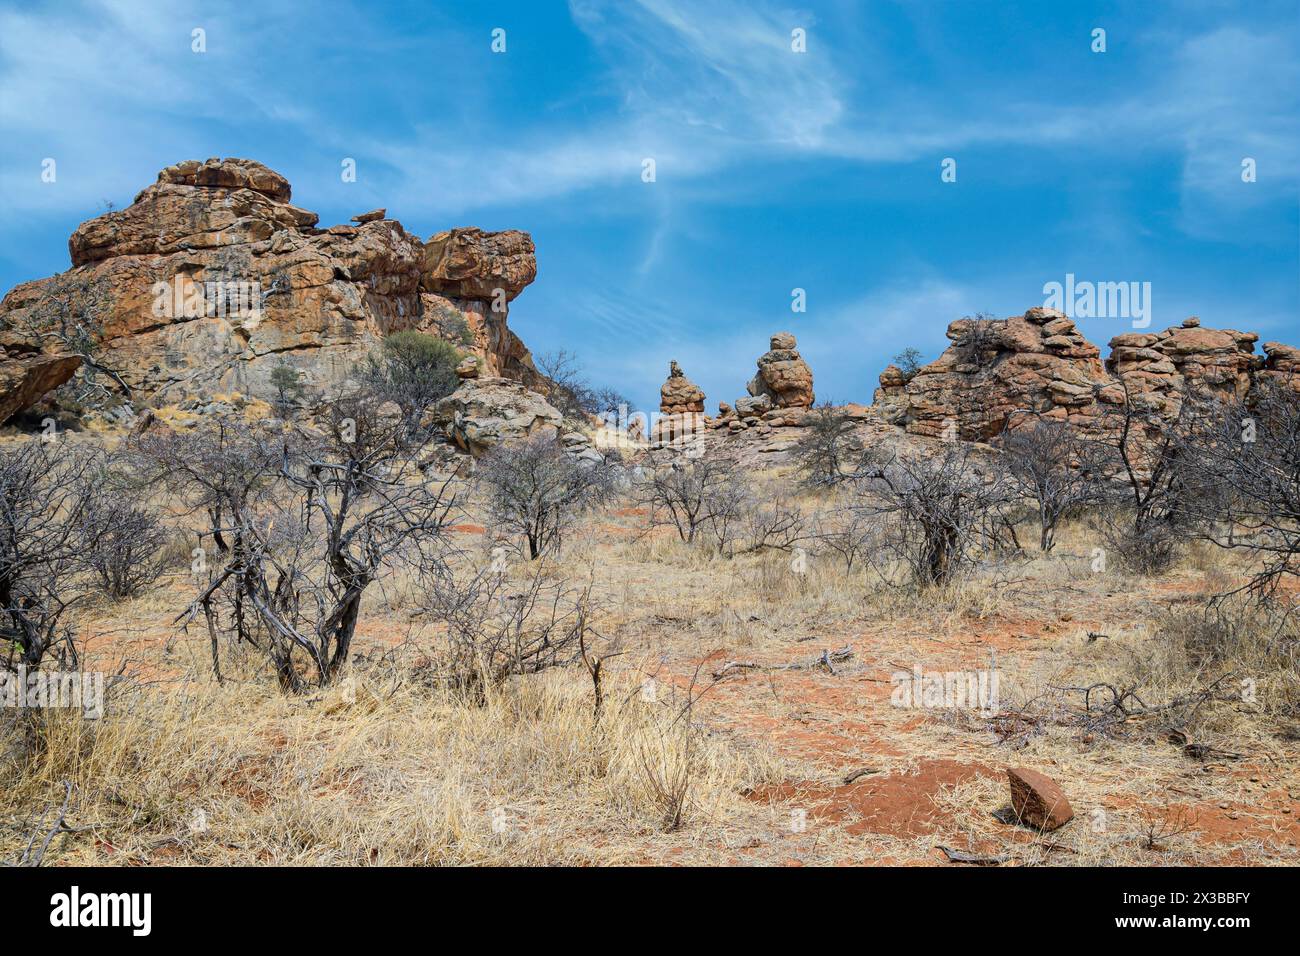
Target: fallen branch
[(826, 659), (855, 775), (960, 856)]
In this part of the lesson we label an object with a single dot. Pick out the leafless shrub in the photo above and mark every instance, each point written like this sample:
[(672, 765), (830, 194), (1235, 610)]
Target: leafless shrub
[(568, 390), (125, 544), (47, 490), (980, 337), (1145, 473), (749, 520), (217, 471), (536, 491), (853, 534), (940, 512), (1245, 483), (690, 495), (824, 451), (1047, 463), (1161, 824), (311, 521), (668, 752), (909, 362), (498, 627)]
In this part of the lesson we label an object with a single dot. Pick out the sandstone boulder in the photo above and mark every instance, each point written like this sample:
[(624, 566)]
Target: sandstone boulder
[(24, 379), (1034, 362), (1037, 800), (484, 412), (783, 376), (473, 264), (679, 394)]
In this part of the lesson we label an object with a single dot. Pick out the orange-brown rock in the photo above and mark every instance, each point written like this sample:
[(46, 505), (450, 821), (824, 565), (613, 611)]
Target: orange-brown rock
[(473, 264), (25, 379), (1037, 800), (1158, 367), (679, 394), (783, 376), (211, 278), (1039, 362)]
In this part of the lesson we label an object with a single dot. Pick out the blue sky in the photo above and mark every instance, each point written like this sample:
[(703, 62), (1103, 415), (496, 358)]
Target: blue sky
[(775, 170)]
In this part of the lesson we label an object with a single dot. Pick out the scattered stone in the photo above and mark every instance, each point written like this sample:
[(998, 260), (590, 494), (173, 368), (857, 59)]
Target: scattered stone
[(1037, 800), (487, 411), (373, 216)]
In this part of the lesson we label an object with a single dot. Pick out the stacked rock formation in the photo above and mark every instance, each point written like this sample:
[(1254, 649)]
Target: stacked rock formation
[(211, 278), (783, 376), (1037, 361), (779, 393), (1040, 363), (679, 395), (1158, 367), (681, 408)]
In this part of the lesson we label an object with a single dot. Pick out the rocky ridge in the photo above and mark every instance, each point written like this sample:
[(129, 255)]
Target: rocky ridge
[(211, 278), (1040, 363)]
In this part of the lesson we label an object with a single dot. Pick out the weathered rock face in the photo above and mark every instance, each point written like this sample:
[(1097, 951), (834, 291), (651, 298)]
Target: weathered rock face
[(1039, 362), (1281, 365), (484, 412), (783, 376), (679, 394), (25, 379), (211, 278), (473, 264), (1157, 367)]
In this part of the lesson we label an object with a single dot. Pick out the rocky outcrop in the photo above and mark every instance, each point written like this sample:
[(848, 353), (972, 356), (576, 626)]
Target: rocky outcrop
[(1158, 367), (484, 412), (1281, 365), (783, 376), (211, 278), (1037, 361), (679, 394), (1040, 363), (24, 379)]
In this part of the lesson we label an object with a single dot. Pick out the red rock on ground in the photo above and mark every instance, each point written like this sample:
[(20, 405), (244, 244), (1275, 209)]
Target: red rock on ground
[(1037, 800)]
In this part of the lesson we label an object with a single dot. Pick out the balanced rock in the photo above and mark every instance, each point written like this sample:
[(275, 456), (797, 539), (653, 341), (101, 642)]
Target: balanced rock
[(783, 376), (679, 394)]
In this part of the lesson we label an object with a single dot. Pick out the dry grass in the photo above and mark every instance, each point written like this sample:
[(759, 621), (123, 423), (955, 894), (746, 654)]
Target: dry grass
[(385, 769)]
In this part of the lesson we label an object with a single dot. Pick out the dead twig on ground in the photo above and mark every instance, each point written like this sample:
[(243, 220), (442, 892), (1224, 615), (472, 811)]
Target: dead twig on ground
[(826, 659)]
